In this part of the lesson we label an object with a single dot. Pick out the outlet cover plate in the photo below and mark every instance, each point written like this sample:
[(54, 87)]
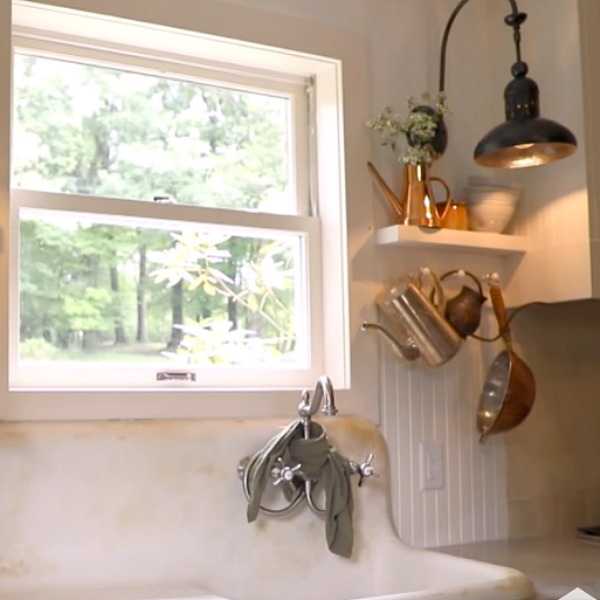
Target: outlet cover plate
[(431, 465)]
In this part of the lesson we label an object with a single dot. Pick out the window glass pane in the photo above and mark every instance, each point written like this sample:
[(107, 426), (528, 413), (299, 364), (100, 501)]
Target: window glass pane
[(98, 290), (87, 129)]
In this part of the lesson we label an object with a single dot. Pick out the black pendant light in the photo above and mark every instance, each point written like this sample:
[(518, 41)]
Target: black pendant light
[(525, 139)]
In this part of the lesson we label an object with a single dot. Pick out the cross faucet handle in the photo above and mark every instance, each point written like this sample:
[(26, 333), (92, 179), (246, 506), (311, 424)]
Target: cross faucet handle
[(284, 473), (366, 469), (363, 470)]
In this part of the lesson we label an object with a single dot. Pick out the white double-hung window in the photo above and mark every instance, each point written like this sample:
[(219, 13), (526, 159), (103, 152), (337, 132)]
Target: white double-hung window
[(167, 210)]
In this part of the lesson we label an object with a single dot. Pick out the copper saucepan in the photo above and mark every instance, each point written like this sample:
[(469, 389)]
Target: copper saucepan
[(509, 389)]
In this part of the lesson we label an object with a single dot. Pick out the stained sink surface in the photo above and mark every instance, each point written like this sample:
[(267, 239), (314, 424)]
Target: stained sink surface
[(159, 506), (130, 593)]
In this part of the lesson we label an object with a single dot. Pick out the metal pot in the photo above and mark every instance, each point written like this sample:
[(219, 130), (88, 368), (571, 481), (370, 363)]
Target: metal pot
[(509, 389), (416, 326)]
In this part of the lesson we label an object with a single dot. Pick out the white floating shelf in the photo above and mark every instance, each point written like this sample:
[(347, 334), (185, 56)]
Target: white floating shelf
[(452, 239)]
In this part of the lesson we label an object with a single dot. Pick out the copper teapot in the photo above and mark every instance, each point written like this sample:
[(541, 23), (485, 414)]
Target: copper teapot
[(463, 311)]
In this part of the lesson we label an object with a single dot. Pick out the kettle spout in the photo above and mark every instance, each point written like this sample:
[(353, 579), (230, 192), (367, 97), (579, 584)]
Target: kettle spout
[(407, 350)]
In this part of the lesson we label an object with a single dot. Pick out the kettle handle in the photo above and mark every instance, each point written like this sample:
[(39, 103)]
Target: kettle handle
[(463, 273), (448, 200), (437, 288)]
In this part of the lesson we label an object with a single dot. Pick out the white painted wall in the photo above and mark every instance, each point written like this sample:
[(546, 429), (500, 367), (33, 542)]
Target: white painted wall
[(439, 405)]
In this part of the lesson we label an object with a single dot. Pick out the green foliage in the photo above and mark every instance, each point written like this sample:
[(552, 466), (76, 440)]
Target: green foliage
[(114, 133), (38, 349), (256, 278), (87, 313), (87, 130)]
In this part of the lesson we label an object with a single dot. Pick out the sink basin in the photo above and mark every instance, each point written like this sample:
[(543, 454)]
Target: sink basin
[(490, 583), (94, 510)]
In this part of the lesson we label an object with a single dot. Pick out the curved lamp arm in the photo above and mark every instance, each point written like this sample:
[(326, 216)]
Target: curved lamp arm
[(457, 9)]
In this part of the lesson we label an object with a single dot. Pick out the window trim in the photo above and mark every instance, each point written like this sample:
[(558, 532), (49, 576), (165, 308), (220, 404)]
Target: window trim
[(56, 376), (311, 48)]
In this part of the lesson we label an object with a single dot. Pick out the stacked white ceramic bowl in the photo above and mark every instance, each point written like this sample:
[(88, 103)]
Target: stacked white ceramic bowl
[(491, 204)]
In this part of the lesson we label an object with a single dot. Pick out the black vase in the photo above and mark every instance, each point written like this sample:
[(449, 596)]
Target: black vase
[(440, 139)]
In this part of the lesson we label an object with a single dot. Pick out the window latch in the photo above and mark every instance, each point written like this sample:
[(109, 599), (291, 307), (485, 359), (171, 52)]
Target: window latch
[(175, 376)]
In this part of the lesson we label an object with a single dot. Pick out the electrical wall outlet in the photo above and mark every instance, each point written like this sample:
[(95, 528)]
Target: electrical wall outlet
[(431, 461)]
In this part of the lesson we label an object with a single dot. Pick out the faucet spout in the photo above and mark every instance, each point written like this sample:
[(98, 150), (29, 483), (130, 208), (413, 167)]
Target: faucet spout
[(323, 393), (326, 388)]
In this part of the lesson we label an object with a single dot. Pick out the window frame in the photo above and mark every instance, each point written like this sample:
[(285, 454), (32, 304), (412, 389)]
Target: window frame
[(42, 377), (307, 49)]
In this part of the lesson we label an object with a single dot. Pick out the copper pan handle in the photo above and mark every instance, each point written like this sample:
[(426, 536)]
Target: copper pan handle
[(500, 312)]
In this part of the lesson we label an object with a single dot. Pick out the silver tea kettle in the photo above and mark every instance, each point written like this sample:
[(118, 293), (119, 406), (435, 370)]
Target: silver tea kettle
[(414, 323)]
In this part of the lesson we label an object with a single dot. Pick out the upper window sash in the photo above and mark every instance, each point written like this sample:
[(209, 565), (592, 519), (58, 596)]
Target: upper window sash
[(140, 60)]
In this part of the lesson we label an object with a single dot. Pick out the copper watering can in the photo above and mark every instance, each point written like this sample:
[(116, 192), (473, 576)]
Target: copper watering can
[(417, 204), (414, 323)]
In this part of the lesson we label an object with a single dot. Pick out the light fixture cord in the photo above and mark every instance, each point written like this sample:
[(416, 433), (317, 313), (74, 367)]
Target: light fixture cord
[(514, 20)]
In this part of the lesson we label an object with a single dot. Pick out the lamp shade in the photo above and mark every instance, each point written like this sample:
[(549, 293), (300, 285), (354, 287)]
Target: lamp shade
[(525, 139), (524, 143)]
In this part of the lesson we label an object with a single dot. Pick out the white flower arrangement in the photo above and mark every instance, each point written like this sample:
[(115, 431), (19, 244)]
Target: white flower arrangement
[(420, 128)]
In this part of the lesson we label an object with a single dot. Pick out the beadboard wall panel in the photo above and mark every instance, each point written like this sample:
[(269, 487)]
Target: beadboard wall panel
[(439, 405)]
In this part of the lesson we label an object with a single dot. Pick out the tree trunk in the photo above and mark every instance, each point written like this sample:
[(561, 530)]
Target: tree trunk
[(232, 313), (120, 338), (177, 316), (142, 332)]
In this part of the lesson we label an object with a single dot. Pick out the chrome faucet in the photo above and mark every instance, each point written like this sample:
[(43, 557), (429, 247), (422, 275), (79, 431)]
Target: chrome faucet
[(287, 470), (323, 392)]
